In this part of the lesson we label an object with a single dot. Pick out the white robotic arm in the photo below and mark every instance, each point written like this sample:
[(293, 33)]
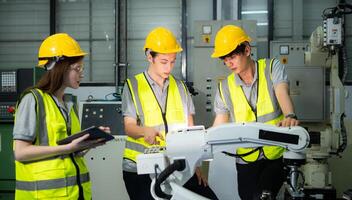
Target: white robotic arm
[(186, 148)]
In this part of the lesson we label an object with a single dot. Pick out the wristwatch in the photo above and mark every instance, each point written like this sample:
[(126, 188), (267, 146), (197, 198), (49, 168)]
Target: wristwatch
[(291, 115)]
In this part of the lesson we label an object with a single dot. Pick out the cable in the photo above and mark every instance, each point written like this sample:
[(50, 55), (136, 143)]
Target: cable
[(344, 64), (178, 165), (241, 155), (343, 146), (114, 95), (156, 167), (341, 9)]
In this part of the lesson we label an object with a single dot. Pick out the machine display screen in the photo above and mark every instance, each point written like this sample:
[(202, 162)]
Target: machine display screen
[(278, 137), (103, 113), (284, 50), (8, 81)]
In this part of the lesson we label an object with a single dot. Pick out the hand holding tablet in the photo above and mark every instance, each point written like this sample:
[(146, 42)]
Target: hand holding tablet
[(94, 134)]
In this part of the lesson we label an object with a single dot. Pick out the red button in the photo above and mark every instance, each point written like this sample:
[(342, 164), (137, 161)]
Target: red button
[(11, 109)]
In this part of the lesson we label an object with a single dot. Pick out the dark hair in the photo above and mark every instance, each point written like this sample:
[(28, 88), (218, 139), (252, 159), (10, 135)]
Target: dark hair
[(53, 79), (152, 53), (240, 49)]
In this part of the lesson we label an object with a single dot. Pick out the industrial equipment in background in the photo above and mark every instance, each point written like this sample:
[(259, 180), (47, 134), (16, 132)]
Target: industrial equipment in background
[(307, 92), (207, 72), (314, 70), (105, 162), (187, 148), (102, 113), (12, 84)]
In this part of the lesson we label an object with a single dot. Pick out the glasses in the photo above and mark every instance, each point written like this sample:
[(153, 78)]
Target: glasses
[(77, 67), (240, 50), (228, 58)]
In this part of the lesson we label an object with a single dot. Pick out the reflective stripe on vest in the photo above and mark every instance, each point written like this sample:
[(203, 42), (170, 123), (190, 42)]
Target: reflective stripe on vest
[(51, 184), (150, 114), (267, 108), (55, 176)]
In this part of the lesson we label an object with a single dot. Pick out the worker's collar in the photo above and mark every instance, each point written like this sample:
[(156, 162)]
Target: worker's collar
[(66, 105), (240, 82), (154, 83)]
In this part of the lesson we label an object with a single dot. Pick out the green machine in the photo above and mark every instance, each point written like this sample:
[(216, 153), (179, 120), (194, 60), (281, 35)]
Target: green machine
[(7, 166), (12, 83)]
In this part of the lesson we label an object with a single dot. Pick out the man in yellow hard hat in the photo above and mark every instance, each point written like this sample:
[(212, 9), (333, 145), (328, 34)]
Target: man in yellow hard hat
[(255, 91), (153, 103), (44, 169)]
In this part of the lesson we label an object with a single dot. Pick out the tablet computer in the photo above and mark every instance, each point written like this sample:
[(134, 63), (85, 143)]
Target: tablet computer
[(94, 133)]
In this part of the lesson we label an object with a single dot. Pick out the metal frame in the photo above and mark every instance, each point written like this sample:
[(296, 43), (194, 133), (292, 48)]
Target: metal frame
[(270, 23), (52, 17), (184, 70)]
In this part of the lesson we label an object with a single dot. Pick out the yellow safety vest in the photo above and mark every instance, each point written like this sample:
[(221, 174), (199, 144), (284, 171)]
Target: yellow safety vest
[(55, 177), (267, 108), (149, 112)]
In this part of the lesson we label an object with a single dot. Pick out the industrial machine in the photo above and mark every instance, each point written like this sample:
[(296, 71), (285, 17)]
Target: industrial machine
[(207, 72), (307, 92), (314, 70), (332, 139), (105, 162), (102, 113), (186, 148), (7, 166), (12, 84)]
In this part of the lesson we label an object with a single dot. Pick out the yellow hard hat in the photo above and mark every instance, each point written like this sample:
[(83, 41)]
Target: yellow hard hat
[(58, 45), (227, 39), (161, 40)]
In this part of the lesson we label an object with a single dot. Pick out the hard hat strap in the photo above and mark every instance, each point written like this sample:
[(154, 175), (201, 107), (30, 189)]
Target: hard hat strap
[(147, 52), (55, 58), (49, 65), (51, 61)]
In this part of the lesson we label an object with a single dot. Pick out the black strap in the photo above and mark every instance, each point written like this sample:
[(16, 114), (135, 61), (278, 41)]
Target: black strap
[(243, 154)]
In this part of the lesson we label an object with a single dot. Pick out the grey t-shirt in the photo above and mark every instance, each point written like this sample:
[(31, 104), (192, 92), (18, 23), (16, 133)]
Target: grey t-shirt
[(278, 76), (129, 110), (25, 123)]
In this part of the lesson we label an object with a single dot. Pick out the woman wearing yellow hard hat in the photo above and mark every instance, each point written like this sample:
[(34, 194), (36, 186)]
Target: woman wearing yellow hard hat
[(153, 103), (45, 170), (255, 91)]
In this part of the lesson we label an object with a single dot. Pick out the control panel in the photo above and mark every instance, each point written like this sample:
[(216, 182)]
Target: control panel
[(307, 93), (12, 84), (289, 53), (332, 28), (7, 111), (205, 31)]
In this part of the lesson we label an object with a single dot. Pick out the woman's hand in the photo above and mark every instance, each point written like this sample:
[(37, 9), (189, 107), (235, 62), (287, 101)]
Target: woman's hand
[(82, 143), (105, 129)]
